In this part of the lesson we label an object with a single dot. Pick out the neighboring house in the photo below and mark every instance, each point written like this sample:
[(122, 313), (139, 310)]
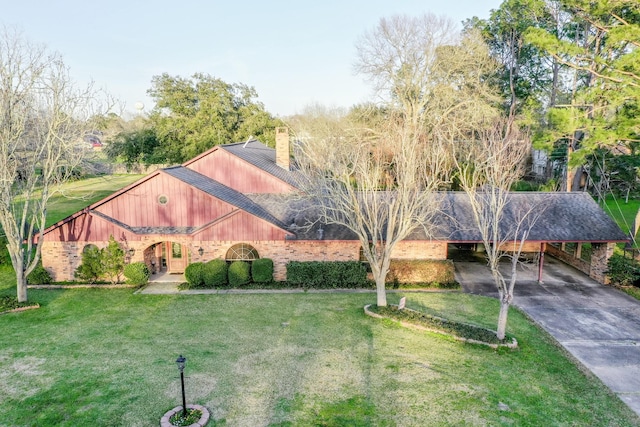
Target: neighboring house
[(239, 202)]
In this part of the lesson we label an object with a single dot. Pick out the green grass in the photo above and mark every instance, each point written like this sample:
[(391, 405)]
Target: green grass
[(79, 194), (107, 358), (623, 213)]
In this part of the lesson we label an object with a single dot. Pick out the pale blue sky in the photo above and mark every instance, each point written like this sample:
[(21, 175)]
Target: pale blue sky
[(294, 53)]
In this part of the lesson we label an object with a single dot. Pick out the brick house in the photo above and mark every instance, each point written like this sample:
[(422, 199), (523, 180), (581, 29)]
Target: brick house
[(237, 202)]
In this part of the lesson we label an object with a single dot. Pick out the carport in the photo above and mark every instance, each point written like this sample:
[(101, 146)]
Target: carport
[(569, 226)]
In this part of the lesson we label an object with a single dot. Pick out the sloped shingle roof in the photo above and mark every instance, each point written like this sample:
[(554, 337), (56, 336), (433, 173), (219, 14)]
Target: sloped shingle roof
[(569, 217), (262, 157), (222, 192)]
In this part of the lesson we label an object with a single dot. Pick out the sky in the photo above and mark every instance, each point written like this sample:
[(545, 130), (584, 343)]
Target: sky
[(294, 53)]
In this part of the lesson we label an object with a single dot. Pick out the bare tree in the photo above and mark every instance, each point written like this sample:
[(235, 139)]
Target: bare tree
[(381, 185), (377, 170), (42, 122), (423, 67), (488, 167)]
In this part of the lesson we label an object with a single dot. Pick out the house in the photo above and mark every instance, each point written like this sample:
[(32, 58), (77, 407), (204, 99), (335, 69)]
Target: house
[(238, 202)]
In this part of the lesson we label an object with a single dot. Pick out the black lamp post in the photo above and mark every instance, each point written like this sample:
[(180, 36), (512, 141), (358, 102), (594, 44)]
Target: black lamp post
[(181, 362)]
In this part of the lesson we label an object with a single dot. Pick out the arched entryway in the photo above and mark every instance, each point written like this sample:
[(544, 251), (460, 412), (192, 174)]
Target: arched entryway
[(167, 257)]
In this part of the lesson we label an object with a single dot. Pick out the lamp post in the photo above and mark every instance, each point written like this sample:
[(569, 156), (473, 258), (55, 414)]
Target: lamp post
[(181, 362)]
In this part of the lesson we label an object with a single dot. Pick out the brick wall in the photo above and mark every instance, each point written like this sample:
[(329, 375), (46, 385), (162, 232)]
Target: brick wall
[(599, 259), (62, 258), (596, 269), (568, 258), (420, 249)]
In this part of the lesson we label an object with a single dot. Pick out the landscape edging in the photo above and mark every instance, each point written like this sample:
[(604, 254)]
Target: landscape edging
[(512, 344), (204, 419)]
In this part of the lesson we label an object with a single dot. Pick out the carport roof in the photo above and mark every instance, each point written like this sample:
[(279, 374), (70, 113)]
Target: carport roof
[(562, 217)]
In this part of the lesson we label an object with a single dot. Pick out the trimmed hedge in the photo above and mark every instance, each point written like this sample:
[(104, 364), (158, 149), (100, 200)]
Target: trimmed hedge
[(239, 273), (194, 273), (421, 271), (327, 274), (215, 273), (39, 276), (137, 273), (262, 270)]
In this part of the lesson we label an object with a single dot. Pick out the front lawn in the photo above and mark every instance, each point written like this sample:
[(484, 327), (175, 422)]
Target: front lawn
[(107, 358)]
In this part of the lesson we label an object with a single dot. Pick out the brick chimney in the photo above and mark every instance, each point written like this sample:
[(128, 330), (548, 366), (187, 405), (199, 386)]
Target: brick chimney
[(282, 147)]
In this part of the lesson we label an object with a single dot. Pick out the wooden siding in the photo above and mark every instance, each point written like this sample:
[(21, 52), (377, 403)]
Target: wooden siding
[(240, 226), (238, 174), (186, 206), (88, 228)]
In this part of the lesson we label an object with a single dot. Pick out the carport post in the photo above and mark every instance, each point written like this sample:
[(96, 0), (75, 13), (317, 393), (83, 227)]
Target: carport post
[(540, 263)]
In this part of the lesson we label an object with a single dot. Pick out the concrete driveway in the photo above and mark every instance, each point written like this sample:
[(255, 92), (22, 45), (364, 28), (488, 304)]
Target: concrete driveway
[(597, 324)]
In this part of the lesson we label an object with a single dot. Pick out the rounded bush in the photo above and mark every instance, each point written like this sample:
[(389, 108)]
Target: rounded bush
[(262, 270), (194, 273), (137, 273), (239, 273), (39, 276), (215, 273)]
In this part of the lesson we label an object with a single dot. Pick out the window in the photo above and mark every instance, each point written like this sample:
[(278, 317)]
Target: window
[(243, 252), (163, 199), (176, 250)]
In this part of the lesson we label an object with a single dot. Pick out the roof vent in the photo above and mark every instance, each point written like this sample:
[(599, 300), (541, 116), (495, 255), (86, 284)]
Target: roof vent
[(248, 141)]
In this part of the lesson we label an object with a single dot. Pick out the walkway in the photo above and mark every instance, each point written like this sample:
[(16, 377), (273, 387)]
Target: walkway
[(597, 324)]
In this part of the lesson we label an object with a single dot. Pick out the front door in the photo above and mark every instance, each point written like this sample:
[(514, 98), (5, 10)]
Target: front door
[(176, 257)]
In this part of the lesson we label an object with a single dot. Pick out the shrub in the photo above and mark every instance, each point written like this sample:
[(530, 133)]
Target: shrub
[(262, 270), (215, 273), (112, 258), (91, 267), (194, 273), (5, 258), (623, 271), (327, 274), (39, 276), (421, 271), (239, 273), (137, 273), (450, 327)]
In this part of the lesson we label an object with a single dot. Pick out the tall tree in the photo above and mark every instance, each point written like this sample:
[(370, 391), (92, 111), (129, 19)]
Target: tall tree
[(43, 118), (604, 53), (383, 164), (382, 183), (488, 167), (424, 68), (525, 75), (193, 115)]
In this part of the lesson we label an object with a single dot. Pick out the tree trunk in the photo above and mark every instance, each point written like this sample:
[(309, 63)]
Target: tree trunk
[(381, 291), (21, 280), (502, 317)]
